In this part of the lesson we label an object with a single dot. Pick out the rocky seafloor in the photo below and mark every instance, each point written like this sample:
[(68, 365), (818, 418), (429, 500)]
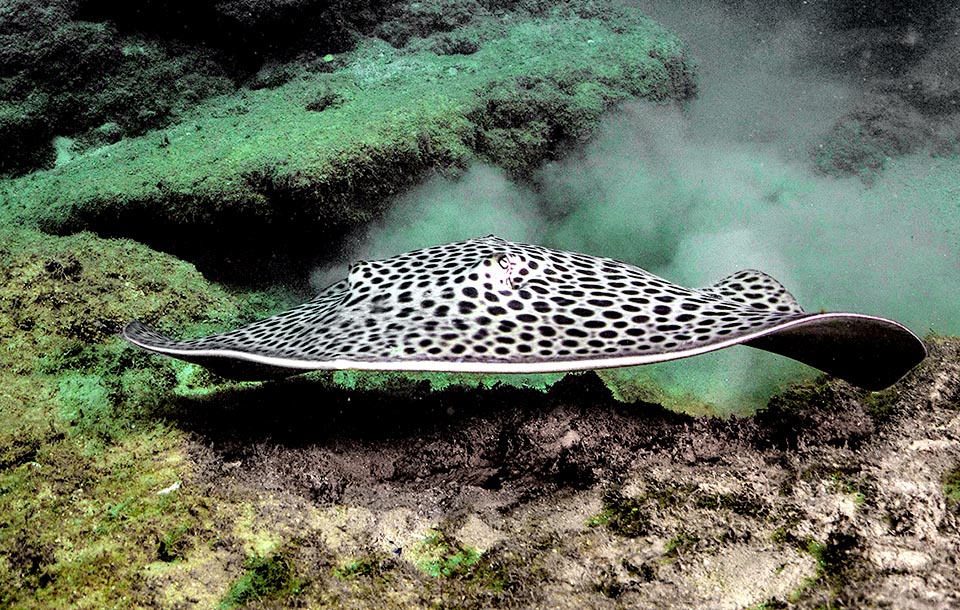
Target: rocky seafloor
[(142, 145)]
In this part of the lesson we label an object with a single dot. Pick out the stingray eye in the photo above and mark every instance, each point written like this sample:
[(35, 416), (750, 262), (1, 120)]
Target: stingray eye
[(502, 261)]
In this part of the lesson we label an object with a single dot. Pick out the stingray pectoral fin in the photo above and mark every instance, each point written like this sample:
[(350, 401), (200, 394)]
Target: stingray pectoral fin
[(869, 352), (238, 366)]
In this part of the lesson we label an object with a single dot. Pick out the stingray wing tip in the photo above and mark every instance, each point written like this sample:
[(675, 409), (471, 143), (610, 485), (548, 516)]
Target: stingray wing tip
[(141, 335), (867, 351)]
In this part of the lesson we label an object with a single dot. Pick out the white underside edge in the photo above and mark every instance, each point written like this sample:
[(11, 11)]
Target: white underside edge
[(550, 366)]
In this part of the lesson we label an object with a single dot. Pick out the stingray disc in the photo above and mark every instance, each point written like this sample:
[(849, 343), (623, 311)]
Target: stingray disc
[(492, 306)]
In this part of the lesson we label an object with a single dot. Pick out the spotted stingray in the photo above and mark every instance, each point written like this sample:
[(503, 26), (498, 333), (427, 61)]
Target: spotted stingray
[(492, 306)]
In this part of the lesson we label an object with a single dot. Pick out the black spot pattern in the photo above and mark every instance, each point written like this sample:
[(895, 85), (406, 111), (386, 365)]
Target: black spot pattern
[(492, 301)]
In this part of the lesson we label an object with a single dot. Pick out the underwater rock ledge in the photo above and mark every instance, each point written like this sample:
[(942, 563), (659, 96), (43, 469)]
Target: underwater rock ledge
[(277, 168)]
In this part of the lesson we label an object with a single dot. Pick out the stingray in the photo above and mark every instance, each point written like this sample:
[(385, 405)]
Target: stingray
[(488, 305)]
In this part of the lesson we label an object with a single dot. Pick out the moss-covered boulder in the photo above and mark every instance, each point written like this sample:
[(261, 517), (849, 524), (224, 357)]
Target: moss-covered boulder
[(249, 175), (84, 288), (63, 367), (76, 68), (67, 73)]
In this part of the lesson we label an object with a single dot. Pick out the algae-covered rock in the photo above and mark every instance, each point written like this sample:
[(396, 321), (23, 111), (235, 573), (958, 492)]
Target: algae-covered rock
[(66, 73), (249, 175), (67, 68), (84, 288), (405, 21), (62, 304)]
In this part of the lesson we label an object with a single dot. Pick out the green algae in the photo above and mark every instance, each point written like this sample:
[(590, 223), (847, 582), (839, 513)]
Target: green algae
[(679, 544), (358, 568), (837, 563), (439, 556), (80, 522), (445, 572), (99, 73), (71, 76), (63, 302), (951, 488), (88, 473), (818, 394), (882, 405), (622, 515), (175, 543), (84, 288), (265, 578), (740, 504)]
